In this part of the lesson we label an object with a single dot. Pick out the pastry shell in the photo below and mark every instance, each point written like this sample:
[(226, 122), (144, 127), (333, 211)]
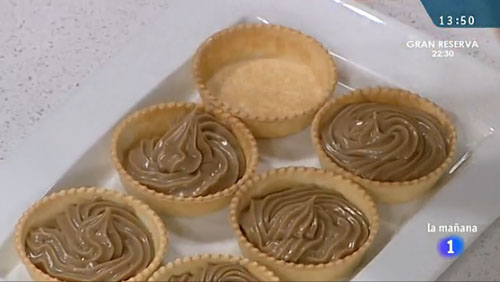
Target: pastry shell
[(55, 203), (385, 191), (155, 121), (180, 266), (246, 42), (278, 179)]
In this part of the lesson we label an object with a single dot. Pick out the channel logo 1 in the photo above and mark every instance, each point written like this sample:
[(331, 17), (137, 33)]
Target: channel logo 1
[(451, 246)]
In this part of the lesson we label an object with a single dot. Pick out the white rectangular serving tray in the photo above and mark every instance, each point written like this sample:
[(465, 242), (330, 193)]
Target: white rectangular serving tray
[(71, 148)]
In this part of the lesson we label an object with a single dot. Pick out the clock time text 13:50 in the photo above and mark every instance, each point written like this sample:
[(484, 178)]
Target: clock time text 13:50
[(457, 21)]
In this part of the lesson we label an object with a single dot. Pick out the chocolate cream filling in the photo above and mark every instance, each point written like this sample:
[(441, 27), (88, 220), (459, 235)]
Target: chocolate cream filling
[(197, 156), (385, 142), (224, 271), (304, 224), (93, 241)]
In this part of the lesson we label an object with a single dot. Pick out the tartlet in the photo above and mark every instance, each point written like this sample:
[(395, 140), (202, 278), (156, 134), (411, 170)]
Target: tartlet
[(152, 122), (392, 190), (196, 263), (271, 77), (55, 204), (284, 179)]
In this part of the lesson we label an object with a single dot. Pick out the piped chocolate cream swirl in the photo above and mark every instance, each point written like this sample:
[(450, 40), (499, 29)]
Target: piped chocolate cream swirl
[(93, 241), (197, 156), (223, 271), (385, 142), (304, 224)]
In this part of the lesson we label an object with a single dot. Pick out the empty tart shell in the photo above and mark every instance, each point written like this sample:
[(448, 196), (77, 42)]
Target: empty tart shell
[(180, 266), (53, 204), (387, 191), (271, 77), (278, 179), (154, 121)]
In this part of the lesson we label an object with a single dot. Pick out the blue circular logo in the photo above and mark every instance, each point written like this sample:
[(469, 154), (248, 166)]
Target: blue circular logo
[(451, 246)]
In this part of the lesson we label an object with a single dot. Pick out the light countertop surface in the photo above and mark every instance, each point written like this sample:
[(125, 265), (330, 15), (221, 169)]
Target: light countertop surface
[(50, 47)]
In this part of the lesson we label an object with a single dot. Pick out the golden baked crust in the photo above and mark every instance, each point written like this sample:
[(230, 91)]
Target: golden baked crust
[(389, 192), (53, 204), (180, 266), (278, 179), (272, 77), (154, 121)]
